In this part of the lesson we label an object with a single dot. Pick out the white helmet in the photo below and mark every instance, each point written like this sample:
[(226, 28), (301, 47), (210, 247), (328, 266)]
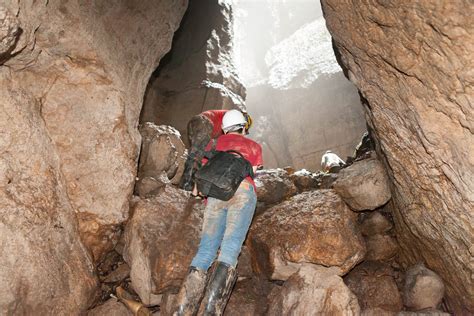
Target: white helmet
[(233, 120)]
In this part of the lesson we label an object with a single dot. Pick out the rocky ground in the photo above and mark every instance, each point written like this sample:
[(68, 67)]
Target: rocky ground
[(319, 244)]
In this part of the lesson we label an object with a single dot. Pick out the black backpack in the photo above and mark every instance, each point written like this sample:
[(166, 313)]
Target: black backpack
[(221, 176)]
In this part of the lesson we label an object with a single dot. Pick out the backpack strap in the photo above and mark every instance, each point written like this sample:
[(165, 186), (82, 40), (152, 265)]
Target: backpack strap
[(211, 153), (249, 165)]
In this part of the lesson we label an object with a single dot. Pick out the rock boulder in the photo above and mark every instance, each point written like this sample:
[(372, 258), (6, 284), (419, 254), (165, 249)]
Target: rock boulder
[(423, 288), (162, 158), (160, 240), (314, 226), (363, 185), (374, 285), (274, 185), (313, 290)]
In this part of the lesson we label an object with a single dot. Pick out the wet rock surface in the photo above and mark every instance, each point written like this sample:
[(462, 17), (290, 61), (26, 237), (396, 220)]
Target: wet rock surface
[(161, 238), (374, 285), (274, 185), (422, 120), (313, 290), (314, 226), (363, 185)]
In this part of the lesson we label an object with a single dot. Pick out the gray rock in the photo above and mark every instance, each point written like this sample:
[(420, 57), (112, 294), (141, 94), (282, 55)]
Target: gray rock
[(363, 185), (423, 288)]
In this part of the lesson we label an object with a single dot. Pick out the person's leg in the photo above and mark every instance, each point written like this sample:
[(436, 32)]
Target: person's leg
[(199, 135), (240, 212), (192, 289), (211, 236)]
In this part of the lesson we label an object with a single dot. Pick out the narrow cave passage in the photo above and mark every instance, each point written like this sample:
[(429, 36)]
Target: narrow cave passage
[(94, 101)]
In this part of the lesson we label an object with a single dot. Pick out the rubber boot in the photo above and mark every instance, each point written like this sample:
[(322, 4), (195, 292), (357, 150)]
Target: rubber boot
[(219, 288), (191, 292)]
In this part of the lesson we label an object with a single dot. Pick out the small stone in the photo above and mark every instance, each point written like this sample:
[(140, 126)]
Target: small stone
[(375, 223), (381, 247)]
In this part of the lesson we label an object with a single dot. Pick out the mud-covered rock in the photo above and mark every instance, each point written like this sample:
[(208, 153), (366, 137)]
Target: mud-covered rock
[(110, 308), (363, 185), (313, 290), (374, 285), (375, 223), (423, 288), (162, 158), (160, 240), (274, 185), (381, 247), (314, 226)]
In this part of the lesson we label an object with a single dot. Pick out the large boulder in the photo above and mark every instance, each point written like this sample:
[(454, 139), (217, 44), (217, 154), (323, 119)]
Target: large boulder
[(313, 290), (374, 285), (162, 158), (314, 226), (160, 241), (423, 288), (412, 62), (363, 185), (274, 185)]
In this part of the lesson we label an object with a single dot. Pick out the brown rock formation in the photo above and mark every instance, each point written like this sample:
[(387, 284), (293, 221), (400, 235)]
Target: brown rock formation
[(313, 290), (374, 285), (160, 241), (72, 79), (198, 74), (85, 69), (412, 61), (315, 227)]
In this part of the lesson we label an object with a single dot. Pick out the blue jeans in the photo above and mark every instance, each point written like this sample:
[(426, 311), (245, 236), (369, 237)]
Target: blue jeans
[(225, 225)]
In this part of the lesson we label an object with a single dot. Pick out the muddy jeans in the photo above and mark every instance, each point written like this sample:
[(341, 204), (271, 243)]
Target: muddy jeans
[(225, 224)]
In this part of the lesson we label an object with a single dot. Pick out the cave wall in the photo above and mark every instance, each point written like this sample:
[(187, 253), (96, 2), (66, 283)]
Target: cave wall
[(412, 61), (296, 126), (198, 74), (72, 79)]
